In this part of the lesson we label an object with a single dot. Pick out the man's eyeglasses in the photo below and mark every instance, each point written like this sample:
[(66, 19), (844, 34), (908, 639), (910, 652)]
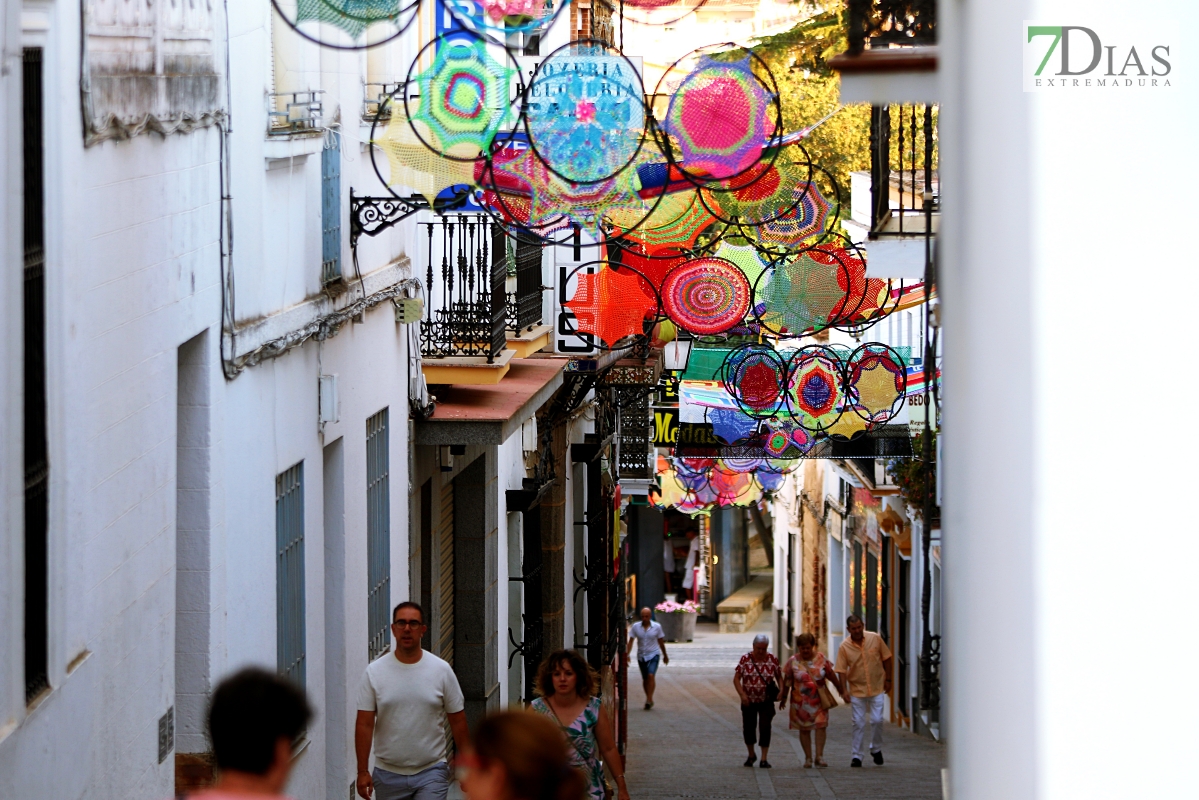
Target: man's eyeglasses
[(407, 623)]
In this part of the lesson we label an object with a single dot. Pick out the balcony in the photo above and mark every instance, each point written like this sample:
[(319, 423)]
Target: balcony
[(892, 54), (896, 205), (294, 113), (373, 97), (526, 334), (474, 326)]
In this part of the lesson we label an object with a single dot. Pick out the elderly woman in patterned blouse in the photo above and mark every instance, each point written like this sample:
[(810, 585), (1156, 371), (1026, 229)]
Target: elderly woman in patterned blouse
[(757, 672)]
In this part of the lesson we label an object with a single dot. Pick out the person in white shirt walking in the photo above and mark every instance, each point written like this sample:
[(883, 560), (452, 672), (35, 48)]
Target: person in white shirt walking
[(651, 646), (689, 582), (404, 702)]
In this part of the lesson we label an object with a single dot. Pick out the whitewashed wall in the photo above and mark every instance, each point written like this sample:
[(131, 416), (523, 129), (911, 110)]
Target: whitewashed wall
[(12, 467), (134, 274), (1039, 553)]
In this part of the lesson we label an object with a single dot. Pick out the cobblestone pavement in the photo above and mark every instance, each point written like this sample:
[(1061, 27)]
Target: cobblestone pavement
[(689, 746)]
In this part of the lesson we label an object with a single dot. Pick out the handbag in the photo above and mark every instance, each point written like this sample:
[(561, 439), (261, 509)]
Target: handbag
[(827, 700)]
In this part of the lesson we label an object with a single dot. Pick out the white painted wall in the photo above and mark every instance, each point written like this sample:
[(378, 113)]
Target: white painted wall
[(674, 32), (12, 469), (511, 474), (1040, 556), (134, 273)]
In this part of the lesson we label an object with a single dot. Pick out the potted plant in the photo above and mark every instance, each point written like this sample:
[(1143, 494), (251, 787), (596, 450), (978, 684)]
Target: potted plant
[(678, 619)]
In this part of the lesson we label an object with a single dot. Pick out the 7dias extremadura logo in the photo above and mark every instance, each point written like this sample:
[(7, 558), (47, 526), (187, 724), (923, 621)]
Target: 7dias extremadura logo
[(1075, 58)]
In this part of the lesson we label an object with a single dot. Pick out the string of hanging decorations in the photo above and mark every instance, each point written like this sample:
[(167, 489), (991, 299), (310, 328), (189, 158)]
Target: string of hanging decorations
[(706, 219)]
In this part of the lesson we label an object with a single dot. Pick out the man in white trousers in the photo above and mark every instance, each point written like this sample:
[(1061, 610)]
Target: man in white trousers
[(865, 662)]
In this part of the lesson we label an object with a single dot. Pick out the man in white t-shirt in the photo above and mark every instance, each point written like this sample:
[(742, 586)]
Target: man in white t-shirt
[(651, 645), (405, 699)]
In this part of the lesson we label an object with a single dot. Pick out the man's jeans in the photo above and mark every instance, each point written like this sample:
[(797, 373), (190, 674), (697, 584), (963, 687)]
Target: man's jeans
[(860, 706), (432, 784)]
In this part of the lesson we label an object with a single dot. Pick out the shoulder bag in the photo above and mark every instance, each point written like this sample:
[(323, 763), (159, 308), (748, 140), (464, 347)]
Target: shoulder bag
[(827, 699)]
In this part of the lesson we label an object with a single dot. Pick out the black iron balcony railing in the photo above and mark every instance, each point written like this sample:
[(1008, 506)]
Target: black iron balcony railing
[(903, 169), (882, 23), (524, 305), (465, 277)]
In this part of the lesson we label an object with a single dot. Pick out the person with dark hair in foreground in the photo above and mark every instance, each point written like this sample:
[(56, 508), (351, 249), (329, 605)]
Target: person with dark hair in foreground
[(519, 755), (253, 722), (405, 700), (567, 685)]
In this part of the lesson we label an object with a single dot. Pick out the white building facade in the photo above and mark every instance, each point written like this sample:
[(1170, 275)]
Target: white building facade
[(234, 476), (227, 428)]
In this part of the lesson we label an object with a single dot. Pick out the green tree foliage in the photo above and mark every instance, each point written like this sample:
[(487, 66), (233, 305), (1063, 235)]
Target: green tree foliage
[(810, 89), (914, 481)]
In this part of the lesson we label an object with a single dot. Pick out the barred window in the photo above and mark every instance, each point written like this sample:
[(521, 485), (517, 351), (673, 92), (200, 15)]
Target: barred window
[(331, 210), (289, 575), (378, 535)]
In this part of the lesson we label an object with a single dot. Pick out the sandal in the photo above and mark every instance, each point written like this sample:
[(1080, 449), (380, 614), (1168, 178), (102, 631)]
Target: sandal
[(807, 764), (820, 762)]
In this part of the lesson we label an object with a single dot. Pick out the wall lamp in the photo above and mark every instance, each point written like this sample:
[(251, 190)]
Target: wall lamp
[(676, 354)]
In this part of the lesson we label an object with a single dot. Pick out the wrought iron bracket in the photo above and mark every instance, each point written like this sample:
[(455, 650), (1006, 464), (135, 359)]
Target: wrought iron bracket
[(518, 648), (586, 583), (522, 648), (370, 216), (575, 387)]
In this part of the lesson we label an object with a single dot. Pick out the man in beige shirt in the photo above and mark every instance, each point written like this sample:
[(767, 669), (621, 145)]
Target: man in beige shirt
[(865, 662)]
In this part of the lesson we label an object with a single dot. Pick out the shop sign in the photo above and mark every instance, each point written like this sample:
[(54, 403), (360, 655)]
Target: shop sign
[(609, 75), (666, 426)]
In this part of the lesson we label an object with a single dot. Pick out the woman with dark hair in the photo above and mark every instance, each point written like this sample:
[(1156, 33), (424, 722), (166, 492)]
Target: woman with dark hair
[(520, 756), (804, 678), (567, 684)]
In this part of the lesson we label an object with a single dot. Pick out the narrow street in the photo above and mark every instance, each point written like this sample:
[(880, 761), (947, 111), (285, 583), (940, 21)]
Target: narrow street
[(689, 745)]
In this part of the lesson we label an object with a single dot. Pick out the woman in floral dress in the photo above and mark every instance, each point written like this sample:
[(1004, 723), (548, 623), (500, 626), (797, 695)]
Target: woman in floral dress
[(803, 676), (566, 683)]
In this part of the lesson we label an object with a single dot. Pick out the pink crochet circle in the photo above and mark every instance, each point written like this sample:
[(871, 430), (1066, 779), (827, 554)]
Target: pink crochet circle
[(706, 295)]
